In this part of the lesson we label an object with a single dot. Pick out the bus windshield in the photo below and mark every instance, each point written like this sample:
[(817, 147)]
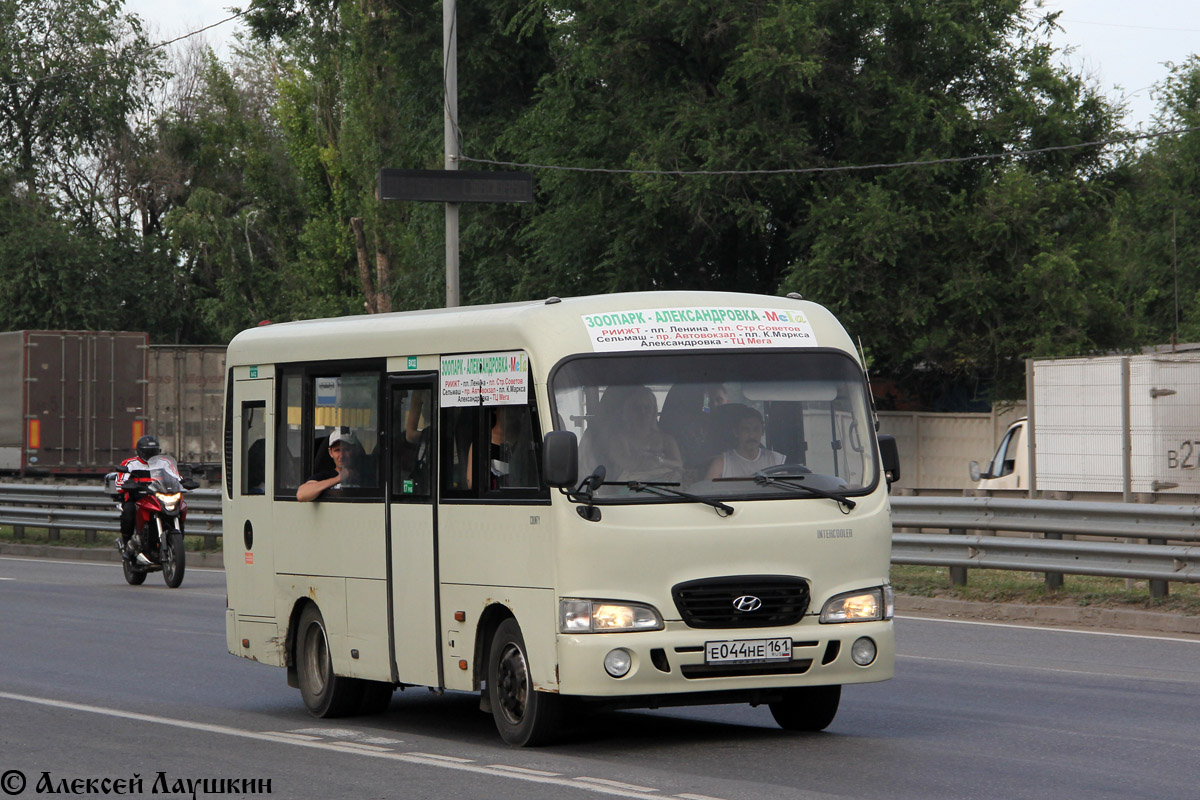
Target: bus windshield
[(711, 423)]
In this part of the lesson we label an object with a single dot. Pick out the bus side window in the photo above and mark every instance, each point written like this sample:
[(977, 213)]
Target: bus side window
[(491, 452), (412, 454), (289, 450), (254, 448)]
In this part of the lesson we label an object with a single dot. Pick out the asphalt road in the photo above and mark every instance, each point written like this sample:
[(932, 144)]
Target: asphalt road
[(100, 680)]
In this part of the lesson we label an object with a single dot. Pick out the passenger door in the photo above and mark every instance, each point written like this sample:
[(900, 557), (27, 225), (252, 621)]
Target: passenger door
[(412, 530), (250, 533)]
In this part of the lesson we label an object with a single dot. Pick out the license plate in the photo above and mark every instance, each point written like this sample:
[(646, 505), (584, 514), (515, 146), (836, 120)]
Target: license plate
[(748, 651)]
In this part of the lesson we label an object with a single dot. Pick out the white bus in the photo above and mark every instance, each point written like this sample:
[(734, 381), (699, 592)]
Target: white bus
[(628, 500)]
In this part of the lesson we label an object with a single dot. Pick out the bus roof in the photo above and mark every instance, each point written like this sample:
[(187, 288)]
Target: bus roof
[(550, 329)]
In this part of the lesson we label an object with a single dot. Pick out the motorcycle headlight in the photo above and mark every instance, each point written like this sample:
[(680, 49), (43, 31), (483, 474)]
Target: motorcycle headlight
[(861, 606), (168, 500), (602, 616)]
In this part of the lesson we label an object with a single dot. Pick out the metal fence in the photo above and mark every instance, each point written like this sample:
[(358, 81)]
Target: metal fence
[(1123, 540), (88, 509)]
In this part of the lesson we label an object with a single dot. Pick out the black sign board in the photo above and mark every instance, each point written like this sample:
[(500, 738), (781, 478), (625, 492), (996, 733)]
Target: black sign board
[(453, 186)]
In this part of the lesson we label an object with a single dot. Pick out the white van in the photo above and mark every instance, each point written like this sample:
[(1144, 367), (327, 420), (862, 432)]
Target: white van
[(628, 500)]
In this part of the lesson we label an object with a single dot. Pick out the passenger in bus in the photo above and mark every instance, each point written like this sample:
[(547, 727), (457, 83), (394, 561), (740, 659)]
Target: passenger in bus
[(626, 439), (746, 454), (341, 441), (509, 450)]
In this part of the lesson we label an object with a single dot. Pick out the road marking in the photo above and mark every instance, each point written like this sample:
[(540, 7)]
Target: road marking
[(525, 771), (299, 737), (616, 784), (7, 579), (89, 563), (448, 759), (1053, 629), (612, 788)]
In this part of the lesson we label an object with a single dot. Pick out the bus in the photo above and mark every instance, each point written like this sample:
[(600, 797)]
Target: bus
[(627, 500)]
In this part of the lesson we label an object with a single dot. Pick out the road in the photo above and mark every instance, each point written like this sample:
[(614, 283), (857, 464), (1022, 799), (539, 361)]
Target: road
[(102, 680)]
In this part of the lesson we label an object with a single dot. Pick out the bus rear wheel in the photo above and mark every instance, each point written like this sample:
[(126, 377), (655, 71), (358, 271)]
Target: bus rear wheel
[(325, 694), (809, 708), (524, 717)]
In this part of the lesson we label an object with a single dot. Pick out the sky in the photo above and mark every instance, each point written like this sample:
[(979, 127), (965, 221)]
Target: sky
[(1119, 44)]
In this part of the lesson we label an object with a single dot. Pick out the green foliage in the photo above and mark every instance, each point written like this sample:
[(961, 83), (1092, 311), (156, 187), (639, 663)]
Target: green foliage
[(245, 184)]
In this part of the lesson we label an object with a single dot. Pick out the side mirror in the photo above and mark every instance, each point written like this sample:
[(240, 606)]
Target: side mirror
[(976, 475), (560, 459), (890, 456)]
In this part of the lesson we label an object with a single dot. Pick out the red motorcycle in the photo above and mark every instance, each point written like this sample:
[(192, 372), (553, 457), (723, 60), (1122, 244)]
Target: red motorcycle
[(159, 515)]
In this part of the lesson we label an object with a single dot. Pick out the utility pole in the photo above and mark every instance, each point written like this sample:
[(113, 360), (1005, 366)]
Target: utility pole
[(450, 80)]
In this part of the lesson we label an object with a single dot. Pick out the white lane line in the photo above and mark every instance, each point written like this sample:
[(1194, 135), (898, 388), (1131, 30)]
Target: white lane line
[(90, 563), (1174, 677), (329, 733), (447, 759), (7, 579), (299, 737), (525, 770), (363, 747), (616, 784), (696, 797), (1053, 629), (424, 759)]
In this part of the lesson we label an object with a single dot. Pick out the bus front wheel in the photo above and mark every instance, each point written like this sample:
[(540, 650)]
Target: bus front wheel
[(325, 694), (809, 708), (524, 717)]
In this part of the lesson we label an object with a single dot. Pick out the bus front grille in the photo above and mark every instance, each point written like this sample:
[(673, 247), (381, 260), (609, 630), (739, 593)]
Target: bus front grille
[(742, 601)]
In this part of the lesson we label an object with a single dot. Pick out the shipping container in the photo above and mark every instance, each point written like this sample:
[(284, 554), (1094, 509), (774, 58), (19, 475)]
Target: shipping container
[(70, 401), (186, 399)]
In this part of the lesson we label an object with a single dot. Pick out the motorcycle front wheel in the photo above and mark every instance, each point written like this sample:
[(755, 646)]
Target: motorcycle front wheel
[(133, 577), (172, 560)]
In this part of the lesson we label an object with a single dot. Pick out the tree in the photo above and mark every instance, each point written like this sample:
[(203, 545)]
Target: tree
[(1154, 242), (950, 273)]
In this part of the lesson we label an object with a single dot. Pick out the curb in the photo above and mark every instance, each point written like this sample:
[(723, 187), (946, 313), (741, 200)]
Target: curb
[(1115, 619), (208, 560)]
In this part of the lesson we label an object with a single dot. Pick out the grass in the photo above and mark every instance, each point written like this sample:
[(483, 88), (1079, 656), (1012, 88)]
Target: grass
[(1006, 586), (104, 539)]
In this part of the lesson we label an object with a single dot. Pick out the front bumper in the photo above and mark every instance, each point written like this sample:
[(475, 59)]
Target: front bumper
[(671, 661)]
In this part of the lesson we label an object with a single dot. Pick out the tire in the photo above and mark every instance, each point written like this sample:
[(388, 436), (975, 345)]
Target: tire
[(133, 577), (376, 697), (173, 558), (811, 708), (325, 694), (524, 717)]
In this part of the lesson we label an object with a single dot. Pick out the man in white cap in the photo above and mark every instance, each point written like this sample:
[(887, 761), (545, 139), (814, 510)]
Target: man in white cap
[(340, 442)]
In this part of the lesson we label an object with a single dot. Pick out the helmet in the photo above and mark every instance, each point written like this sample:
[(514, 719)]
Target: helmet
[(147, 448)]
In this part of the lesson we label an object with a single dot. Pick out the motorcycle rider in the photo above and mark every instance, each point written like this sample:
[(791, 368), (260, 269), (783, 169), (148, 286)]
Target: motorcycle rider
[(147, 448)]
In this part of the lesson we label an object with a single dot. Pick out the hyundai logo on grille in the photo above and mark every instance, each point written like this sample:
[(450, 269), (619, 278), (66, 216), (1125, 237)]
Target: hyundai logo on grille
[(747, 602)]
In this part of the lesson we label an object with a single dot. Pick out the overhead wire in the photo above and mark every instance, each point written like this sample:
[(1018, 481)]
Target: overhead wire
[(838, 168), (125, 54)]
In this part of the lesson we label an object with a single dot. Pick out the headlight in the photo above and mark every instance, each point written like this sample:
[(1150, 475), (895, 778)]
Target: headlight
[(600, 616), (168, 500), (862, 606)]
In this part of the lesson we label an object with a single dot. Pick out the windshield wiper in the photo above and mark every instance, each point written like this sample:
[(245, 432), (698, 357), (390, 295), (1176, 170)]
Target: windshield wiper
[(763, 479), (665, 490)]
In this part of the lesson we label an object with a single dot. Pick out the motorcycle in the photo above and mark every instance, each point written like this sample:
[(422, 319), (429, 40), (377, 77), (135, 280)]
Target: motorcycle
[(159, 515)]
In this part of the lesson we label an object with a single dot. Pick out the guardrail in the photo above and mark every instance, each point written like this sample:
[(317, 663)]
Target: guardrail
[(89, 509), (1113, 545)]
